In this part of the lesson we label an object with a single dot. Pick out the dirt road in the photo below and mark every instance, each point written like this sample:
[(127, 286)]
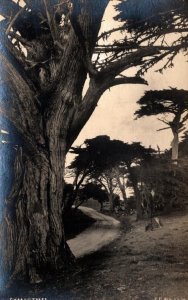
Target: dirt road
[(104, 230), (139, 265)]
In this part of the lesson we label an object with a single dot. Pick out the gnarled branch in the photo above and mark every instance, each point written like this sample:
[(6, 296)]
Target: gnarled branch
[(128, 80)]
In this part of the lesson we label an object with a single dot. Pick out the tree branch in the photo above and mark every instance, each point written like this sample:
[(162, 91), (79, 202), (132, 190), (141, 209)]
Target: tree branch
[(128, 80), (16, 36), (163, 128), (130, 60), (104, 34), (51, 23), (24, 21), (123, 47), (99, 84), (14, 20), (165, 122), (185, 118), (84, 111)]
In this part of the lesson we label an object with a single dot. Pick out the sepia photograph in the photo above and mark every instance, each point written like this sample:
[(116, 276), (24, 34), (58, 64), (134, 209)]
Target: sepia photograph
[(93, 150)]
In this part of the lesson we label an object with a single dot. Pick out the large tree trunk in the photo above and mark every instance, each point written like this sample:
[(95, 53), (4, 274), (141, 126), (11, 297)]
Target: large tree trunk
[(32, 229), (48, 100), (34, 239)]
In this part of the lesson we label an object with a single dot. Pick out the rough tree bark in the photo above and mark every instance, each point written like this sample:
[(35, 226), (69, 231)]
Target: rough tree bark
[(33, 232)]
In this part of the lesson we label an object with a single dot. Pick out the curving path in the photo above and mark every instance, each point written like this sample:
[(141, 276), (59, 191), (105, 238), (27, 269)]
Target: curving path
[(105, 230)]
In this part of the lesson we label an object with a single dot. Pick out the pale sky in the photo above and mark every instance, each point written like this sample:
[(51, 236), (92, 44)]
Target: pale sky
[(114, 115)]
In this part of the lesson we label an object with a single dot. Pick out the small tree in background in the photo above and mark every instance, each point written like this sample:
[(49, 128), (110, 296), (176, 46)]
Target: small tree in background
[(172, 106), (98, 160)]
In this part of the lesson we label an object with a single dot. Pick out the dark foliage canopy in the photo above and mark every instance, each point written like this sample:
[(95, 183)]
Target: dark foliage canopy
[(148, 12), (163, 101), (101, 154), (93, 190)]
